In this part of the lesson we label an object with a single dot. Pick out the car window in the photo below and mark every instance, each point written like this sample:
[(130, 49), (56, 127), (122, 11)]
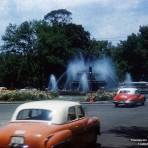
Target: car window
[(72, 113), (34, 114), (137, 92), (80, 112), (124, 91)]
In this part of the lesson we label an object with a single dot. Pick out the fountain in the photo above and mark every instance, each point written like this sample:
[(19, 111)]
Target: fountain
[(85, 76), (128, 78), (84, 86), (127, 81), (52, 85)]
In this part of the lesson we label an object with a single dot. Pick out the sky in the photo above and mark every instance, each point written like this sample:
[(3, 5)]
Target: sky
[(111, 20)]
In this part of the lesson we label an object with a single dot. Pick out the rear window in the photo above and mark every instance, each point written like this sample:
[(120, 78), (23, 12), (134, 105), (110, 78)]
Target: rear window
[(124, 91), (80, 112), (72, 113), (138, 92), (34, 114)]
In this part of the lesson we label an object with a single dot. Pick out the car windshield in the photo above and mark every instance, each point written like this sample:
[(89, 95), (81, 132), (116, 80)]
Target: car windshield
[(125, 91), (34, 114), (132, 92)]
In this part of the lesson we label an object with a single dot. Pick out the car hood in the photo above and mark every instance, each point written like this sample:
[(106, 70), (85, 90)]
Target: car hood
[(32, 132)]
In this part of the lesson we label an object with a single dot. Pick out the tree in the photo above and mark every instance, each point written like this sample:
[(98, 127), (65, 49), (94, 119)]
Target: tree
[(60, 16), (44, 45), (99, 48), (21, 42), (9, 67), (131, 55), (77, 36), (10, 39), (20, 39)]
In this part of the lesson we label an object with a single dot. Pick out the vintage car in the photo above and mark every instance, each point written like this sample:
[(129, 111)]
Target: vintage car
[(129, 96), (50, 124)]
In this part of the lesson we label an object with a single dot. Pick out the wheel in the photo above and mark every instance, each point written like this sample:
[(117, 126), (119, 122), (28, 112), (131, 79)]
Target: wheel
[(116, 104), (63, 145), (93, 142), (143, 102)]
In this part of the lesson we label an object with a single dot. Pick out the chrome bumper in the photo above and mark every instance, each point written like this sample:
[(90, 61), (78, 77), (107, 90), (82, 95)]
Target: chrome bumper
[(18, 146)]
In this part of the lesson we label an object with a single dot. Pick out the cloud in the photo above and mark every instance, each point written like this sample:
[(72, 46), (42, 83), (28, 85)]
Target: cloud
[(29, 5), (113, 21), (118, 26), (104, 19), (4, 7), (123, 4)]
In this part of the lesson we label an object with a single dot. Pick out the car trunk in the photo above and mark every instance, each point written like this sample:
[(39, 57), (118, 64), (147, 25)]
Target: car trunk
[(34, 133)]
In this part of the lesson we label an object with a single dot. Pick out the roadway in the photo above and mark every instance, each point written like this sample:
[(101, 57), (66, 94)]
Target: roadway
[(122, 127)]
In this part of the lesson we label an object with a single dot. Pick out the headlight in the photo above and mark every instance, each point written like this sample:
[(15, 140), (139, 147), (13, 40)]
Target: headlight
[(128, 101), (17, 140), (123, 96)]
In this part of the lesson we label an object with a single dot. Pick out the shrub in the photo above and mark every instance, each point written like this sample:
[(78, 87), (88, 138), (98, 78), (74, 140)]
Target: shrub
[(100, 95), (54, 94), (24, 96)]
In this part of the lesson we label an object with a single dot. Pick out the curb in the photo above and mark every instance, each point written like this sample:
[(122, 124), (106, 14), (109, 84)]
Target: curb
[(21, 102), (97, 102)]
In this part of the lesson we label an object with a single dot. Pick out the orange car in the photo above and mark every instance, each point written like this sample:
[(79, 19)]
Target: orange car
[(49, 124)]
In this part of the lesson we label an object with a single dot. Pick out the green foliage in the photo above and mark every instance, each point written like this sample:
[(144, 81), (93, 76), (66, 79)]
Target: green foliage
[(77, 36), (35, 49), (20, 39), (100, 48), (100, 95), (132, 55), (60, 16), (24, 96), (104, 96), (54, 94)]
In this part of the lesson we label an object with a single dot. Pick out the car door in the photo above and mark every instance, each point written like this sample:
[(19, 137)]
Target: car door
[(83, 121), (139, 96), (77, 126)]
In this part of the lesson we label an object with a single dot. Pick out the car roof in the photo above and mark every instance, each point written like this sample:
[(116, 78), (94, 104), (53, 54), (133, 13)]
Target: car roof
[(49, 104), (59, 108), (128, 89)]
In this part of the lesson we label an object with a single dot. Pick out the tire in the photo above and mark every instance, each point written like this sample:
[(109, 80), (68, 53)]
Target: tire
[(63, 145), (116, 104), (93, 143), (143, 103)]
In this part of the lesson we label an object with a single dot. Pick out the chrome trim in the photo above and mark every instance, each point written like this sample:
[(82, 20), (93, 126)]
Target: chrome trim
[(18, 146)]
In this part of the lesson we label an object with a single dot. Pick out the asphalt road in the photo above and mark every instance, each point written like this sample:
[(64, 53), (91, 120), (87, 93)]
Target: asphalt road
[(122, 127)]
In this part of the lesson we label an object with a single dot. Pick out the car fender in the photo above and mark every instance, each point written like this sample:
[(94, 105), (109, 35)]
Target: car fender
[(136, 98), (59, 139), (94, 123), (142, 97)]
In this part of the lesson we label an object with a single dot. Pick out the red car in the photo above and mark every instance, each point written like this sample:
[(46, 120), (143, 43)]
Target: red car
[(129, 96)]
